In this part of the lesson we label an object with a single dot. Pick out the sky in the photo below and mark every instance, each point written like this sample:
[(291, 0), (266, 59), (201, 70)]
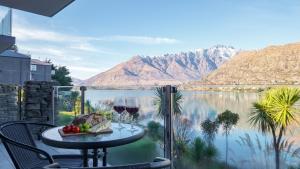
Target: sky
[(92, 36)]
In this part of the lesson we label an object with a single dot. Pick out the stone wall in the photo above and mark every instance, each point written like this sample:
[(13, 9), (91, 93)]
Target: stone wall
[(37, 102), (9, 109)]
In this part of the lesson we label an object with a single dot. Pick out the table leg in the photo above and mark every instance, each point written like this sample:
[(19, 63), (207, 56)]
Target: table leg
[(104, 157), (85, 157), (95, 158)]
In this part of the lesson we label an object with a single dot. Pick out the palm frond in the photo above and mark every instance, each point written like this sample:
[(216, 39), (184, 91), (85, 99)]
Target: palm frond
[(282, 105), (260, 118), (159, 101)]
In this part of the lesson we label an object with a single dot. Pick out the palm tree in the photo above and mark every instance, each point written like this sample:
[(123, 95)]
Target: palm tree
[(180, 130), (274, 112), (159, 101), (227, 120), (209, 129)]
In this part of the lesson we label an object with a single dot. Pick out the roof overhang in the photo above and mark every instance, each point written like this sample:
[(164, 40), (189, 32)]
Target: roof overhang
[(41, 7), (6, 42)]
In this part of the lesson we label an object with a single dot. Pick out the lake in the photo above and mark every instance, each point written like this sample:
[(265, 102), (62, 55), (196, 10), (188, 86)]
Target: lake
[(198, 106)]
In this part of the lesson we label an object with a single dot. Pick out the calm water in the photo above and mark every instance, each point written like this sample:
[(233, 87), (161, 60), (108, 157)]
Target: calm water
[(198, 106)]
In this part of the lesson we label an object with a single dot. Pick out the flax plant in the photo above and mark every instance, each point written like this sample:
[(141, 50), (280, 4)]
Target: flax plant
[(274, 112)]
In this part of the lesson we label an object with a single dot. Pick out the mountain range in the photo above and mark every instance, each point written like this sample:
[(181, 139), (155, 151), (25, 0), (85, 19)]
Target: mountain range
[(271, 65), (218, 65), (171, 69)]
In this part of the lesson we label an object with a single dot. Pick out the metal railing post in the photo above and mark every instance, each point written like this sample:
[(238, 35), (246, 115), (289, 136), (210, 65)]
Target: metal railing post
[(168, 122), (20, 102), (82, 89), (54, 90)]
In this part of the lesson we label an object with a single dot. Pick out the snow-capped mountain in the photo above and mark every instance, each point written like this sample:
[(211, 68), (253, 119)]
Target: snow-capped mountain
[(167, 69), (272, 65)]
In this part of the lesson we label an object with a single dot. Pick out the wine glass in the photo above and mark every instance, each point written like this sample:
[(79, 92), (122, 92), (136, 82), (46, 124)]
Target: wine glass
[(119, 107), (132, 107)]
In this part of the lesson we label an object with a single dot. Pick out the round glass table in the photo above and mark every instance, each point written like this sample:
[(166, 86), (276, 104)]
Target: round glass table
[(94, 142)]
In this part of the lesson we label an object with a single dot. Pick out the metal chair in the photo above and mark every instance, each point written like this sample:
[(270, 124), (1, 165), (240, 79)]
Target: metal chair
[(18, 139), (158, 163)]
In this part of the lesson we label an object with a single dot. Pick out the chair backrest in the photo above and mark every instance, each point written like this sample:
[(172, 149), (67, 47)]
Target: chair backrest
[(19, 132)]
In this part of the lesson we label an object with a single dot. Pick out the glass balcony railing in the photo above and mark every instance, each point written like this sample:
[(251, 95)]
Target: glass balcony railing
[(199, 136), (68, 106)]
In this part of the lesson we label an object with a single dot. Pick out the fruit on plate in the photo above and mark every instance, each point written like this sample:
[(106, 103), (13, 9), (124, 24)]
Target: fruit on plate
[(91, 123), (75, 129), (66, 129), (84, 127), (71, 129)]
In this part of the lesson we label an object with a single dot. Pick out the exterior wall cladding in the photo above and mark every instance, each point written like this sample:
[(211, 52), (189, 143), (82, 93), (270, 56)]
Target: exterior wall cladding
[(14, 70), (42, 73)]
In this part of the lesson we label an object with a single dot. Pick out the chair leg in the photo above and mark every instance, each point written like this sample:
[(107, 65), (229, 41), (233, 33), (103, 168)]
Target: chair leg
[(85, 157), (104, 157), (95, 158)]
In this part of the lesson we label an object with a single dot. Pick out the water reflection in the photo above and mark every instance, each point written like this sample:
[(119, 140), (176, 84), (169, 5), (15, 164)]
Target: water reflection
[(210, 104)]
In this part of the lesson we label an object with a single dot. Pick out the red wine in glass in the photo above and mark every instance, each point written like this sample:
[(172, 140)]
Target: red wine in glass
[(132, 107), (119, 109), (132, 110)]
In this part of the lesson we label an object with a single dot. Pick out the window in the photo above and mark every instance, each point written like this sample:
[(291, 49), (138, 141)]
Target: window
[(33, 67)]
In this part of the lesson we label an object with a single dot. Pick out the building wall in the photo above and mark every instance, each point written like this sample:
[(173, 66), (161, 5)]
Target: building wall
[(9, 109), (36, 106), (14, 70), (38, 102), (42, 73)]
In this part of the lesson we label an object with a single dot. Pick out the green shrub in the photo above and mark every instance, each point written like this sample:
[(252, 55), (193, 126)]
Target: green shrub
[(210, 152), (155, 130), (197, 149), (64, 119), (180, 148)]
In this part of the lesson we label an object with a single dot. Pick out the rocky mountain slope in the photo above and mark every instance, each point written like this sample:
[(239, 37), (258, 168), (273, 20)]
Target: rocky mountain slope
[(76, 81), (271, 65), (167, 69)]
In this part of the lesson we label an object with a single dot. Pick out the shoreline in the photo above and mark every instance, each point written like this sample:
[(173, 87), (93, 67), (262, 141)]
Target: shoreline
[(216, 88)]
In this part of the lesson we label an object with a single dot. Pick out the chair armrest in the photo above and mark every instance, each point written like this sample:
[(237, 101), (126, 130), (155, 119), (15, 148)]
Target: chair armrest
[(54, 165), (160, 162), (30, 148)]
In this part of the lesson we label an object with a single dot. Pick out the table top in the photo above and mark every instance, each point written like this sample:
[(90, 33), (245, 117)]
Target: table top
[(90, 141)]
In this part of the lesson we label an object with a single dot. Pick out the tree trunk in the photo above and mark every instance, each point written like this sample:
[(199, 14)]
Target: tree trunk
[(277, 148), (276, 144), (277, 157), (226, 150)]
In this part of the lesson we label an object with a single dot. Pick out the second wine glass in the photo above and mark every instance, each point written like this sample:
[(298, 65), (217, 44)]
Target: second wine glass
[(119, 107), (132, 107)]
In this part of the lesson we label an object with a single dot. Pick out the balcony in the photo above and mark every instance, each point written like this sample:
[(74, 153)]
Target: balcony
[(244, 116), (192, 146)]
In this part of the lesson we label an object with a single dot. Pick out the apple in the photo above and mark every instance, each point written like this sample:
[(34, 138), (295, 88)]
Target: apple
[(75, 129)]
